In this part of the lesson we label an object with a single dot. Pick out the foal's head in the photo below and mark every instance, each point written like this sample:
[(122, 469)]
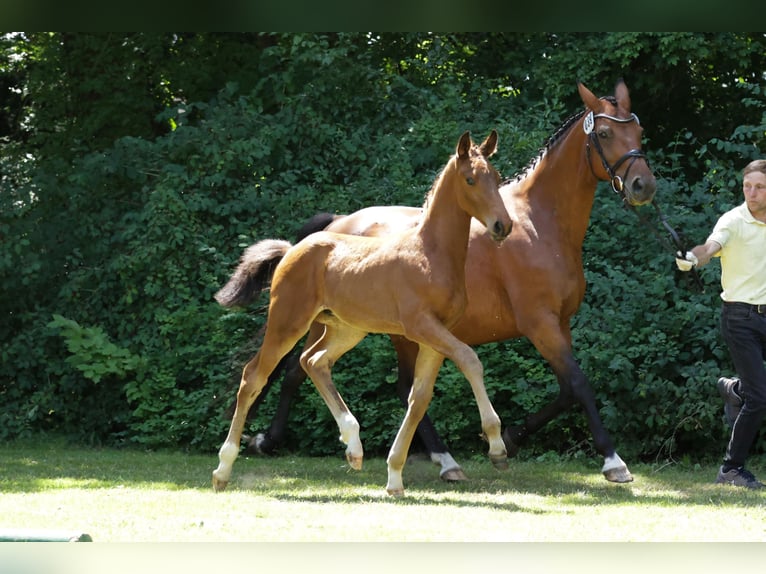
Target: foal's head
[(478, 183)]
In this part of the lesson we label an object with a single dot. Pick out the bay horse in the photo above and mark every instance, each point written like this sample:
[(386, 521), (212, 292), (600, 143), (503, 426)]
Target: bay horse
[(531, 285), (342, 287)]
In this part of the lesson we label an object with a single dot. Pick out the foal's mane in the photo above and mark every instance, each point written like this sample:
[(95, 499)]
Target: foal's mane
[(552, 140)]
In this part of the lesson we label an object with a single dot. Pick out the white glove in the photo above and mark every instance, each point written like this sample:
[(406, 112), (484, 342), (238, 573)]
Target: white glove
[(686, 262)]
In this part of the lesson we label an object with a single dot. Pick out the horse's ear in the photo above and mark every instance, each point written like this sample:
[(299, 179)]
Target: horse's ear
[(489, 145), (464, 145), (622, 95), (589, 99)]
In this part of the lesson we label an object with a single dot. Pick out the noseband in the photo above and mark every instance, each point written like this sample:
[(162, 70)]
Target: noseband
[(617, 182)]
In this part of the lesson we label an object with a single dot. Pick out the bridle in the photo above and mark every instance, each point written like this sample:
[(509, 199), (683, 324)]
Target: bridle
[(615, 180)]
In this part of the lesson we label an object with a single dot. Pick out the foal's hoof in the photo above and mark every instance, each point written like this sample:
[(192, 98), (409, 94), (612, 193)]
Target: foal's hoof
[(219, 485), (398, 492), (499, 462), (453, 475), (354, 462), (618, 474)]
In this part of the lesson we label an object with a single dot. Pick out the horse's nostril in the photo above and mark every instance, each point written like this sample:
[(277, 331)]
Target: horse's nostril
[(499, 230)]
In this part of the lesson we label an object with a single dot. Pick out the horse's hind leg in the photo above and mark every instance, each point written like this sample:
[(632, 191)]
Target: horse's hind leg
[(254, 377), (294, 375), (407, 353), (317, 360)]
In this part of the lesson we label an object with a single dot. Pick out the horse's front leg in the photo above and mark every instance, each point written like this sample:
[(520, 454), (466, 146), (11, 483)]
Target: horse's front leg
[(427, 367), (437, 336), (573, 388), (407, 353), (469, 364)]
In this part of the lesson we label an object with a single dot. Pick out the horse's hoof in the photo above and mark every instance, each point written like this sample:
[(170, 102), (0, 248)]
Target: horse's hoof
[(453, 475), (618, 474), (510, 446), (354, 462), (499, 462), (398, 492), (219, 485), (258, 444)]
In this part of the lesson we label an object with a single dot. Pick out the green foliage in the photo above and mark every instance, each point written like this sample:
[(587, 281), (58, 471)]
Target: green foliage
[(136, 168), (92, 353)]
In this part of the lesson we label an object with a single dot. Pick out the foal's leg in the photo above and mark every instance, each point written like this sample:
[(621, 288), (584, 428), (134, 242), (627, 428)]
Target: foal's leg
[(436, 342), (254, 378), (427, 368), (294, 375), (430, 332), (407, 353), (268, 441), (317, 361), (468, 362)]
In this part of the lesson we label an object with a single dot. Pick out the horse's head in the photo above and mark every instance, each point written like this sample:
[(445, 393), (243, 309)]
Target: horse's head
[(479, 184), (614, 145)]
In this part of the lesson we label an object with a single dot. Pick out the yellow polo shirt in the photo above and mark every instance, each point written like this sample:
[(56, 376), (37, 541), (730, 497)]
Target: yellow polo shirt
[(743, 256)]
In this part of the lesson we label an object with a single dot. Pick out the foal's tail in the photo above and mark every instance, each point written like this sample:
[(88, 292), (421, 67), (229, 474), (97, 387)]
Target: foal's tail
[(253, 273)]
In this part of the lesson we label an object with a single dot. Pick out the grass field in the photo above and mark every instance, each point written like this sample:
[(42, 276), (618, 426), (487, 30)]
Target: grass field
[(133, 496)]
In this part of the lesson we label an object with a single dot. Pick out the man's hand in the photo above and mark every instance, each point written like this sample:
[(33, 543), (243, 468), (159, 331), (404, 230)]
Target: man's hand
[(686, 262)]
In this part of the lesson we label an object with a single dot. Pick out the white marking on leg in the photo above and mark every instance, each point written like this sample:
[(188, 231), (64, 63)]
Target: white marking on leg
[(258, 442), (612, 462), (349, 431), (349, 435), (226, 457), (395, 484), (446, 462)]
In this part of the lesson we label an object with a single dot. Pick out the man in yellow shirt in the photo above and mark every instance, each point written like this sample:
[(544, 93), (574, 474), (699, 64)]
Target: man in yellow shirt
[(739, 239)]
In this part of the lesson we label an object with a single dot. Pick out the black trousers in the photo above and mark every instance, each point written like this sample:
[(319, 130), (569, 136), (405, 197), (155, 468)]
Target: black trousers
[(744, 330)]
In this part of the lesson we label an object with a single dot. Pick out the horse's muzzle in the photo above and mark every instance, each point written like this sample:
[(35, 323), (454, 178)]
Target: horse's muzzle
[(500, 231), (640, 190)]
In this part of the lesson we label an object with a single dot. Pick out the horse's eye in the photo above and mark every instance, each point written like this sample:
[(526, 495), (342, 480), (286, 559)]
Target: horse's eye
[(603, 134), (470, 181)]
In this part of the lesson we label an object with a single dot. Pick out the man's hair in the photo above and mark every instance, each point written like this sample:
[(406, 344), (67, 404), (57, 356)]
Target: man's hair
[(755, 165)]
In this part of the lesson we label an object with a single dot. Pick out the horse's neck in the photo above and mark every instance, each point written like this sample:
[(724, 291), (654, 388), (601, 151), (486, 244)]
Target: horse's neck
[(563, 186), (444, 226)]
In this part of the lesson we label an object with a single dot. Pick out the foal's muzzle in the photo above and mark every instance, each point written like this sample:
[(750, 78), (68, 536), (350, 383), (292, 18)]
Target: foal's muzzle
[(499, 231)]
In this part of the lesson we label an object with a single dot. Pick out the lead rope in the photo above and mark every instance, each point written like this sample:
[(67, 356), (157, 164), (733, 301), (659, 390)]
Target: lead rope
[(677, 241), (589, 123)]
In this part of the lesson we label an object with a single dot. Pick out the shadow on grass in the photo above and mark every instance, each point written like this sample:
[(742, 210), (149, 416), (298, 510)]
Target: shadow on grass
[(40, 468)]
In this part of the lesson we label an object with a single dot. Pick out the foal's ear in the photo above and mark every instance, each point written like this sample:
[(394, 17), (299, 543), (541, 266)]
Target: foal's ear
[(489, 145), (464, 145)]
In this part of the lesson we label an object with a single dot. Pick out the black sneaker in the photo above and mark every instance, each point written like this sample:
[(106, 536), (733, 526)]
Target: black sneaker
[(732, 402), (738, 477)]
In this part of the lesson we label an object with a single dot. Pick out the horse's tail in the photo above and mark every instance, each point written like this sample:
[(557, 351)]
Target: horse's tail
[(253, 273), (317, 222)]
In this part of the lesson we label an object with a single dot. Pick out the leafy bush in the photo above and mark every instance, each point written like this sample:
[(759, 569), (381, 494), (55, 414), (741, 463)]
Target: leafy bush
[(118, 229)]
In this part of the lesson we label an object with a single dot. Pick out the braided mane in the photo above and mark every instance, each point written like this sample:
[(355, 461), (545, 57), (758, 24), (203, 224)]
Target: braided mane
[(552, 140)]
